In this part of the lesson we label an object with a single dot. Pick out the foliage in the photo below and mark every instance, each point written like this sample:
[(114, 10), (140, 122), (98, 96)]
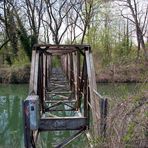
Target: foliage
[(55, 61), (126, 121), (22, 59)]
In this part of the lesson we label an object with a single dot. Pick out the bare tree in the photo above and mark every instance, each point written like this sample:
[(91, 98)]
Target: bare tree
[(57, 12), (10, 25), (34, 10), (139, 17), (85, 13)]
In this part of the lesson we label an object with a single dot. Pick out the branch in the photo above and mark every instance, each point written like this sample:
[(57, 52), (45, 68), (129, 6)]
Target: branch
[(74, 39), (126, 17), (4, 44), (145, 19), (64, 32)]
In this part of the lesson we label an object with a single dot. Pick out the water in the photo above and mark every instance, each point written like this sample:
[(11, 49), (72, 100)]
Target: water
[(11, 97), (11, 130), (121, 90)]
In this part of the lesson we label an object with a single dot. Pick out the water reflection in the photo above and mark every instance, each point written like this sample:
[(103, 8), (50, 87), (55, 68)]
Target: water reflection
[(11, 97), (121, 90), (11, 129)]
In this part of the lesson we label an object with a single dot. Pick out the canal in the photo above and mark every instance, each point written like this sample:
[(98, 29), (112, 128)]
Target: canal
[(11, 96)]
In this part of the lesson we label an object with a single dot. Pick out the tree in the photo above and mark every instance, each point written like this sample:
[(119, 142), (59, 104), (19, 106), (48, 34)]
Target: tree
[(139, 17), (57, 12), (34, 11)]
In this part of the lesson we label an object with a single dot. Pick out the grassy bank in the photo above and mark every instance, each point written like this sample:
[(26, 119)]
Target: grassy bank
[(16, 75), (119, 72), (123, 73), (126, 122)]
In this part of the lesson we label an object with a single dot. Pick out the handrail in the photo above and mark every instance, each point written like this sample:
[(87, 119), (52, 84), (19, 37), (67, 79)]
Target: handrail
[(98, 94)]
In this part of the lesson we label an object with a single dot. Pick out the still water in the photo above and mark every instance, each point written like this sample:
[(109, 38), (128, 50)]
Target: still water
[(11, 130)]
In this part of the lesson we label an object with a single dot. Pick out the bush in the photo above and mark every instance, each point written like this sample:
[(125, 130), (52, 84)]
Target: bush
[(15, 74)]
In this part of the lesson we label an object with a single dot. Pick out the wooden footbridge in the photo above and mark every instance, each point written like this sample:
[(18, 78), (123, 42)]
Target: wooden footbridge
[(70, 87)]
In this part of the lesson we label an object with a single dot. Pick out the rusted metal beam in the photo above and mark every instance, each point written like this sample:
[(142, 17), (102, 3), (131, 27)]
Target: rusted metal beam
[(43, 46), (56, 110), (64, 101), (66, 92), (57, 50), (62, 123)]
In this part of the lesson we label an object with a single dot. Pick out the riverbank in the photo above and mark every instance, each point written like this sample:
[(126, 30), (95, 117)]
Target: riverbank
[(125, 73), (15, 75)]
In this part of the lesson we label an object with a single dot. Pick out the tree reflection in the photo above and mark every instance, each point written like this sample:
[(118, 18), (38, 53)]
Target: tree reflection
[(11, 133)]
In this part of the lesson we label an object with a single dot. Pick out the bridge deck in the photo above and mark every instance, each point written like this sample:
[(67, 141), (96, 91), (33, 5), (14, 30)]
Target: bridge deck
[(60, 98)]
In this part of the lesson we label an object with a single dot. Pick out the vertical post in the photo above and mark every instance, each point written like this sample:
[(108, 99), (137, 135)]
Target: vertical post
[(36, 70), (85, 95), (82, 83), (48, 69), (67, 66), (75, 76), (32, 71), (44, 75), (88, 101), (78, 78), (46, 72), (71, 72), (103, 112), (26, 124), (41, 95), (92, 86)]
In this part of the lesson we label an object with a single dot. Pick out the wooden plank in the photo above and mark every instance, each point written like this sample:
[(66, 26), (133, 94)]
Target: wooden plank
[(45, 69), (64, 101), (71, 73), (60, 92), (66, 70), (68, 67), (61, 50), (44, 76), (62, 123), (95, 108), (75, 76), (40, 90), (48, 70), (36, 72), (78, 80), (49, 46), (61, 110), (96, 98), (32, 71)]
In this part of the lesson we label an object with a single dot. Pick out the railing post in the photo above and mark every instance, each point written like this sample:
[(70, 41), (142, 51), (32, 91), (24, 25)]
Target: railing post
[(48, 69), (78, 78), (40, 83), (75, 76), (71, 72), (103, 114), (27, 131), (31, 119)]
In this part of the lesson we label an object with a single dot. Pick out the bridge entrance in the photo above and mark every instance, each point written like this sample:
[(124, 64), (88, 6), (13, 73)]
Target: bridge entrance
[(54, 90)]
